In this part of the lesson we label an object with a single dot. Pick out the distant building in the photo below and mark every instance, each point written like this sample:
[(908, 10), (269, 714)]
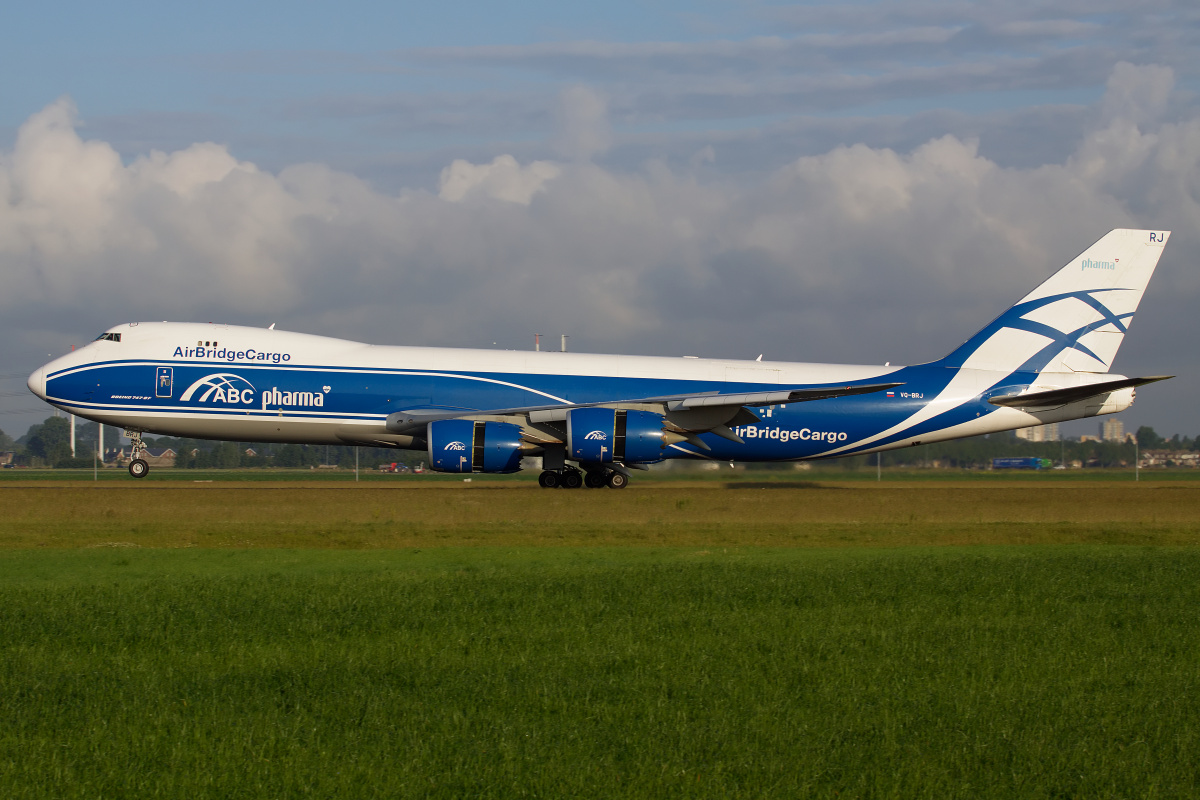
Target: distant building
[(7, 457), (1039, 433), (1169, 458), (1086, 438), (159, 457), (154, 456), (1112, 430)]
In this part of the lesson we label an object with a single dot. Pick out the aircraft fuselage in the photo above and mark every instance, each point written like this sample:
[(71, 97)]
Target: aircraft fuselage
[(256, 385)]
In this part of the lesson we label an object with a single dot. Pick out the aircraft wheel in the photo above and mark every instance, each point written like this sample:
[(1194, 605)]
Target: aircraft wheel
[(548, 480), (139, 468), (594, 480), (572, 479), (617, 481)]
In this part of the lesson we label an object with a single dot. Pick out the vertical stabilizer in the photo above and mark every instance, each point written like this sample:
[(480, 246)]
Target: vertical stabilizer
[(1076, 320)]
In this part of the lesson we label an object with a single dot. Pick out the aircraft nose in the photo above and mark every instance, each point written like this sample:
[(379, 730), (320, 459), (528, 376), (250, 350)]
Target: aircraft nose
[(37, 382)]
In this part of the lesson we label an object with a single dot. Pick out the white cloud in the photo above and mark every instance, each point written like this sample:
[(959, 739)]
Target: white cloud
[(503, 179), (78, 222), (858, 254), (1137, 94), (583, 130)]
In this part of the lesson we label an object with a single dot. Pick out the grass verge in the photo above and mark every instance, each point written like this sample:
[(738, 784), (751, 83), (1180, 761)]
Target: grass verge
[(791, 515), (609, 672)]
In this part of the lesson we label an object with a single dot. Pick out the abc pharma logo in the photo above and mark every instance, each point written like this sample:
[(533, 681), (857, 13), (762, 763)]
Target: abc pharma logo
[(455, 446), (222, 387), (596, 436)]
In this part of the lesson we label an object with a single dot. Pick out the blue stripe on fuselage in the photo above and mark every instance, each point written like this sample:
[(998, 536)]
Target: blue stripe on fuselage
[(788, 431)]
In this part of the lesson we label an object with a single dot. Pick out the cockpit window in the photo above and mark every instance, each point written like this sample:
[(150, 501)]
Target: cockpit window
[(112, 337)]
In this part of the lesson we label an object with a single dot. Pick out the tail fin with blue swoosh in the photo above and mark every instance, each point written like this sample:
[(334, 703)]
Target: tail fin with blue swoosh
[(1077, 319)]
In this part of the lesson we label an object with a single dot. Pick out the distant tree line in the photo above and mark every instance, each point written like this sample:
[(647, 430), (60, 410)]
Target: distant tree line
[(48, 444), (977, 452)]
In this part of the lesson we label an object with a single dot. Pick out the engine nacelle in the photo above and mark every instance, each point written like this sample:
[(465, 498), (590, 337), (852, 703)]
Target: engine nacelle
[(606, 435), (463, 445)]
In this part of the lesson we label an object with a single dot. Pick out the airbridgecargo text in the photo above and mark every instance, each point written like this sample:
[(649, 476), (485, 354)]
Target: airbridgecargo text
[(784, 435), (225, 354)]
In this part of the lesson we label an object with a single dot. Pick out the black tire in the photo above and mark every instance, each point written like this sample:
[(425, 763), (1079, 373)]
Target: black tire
[(572, 479), (139, 468), (617, 481), (548, 480), (595, 480)]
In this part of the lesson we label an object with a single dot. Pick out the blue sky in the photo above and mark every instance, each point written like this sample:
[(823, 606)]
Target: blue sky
[(246, 65), (652, 177), (372, 87)]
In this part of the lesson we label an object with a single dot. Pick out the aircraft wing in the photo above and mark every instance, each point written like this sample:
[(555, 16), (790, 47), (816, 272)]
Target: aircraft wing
[(1060, 397), (767, 398), (689, 414)]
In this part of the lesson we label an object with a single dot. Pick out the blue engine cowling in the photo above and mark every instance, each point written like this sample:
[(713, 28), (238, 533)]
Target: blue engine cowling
[(463, 445), (606, 435)]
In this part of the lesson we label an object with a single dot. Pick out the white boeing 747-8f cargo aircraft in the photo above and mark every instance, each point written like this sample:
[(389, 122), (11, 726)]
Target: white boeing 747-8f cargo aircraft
[(592, 418)]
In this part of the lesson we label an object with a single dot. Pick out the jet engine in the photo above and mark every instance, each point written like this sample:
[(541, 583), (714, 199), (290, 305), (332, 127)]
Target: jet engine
[(606, 435), (463, 445)]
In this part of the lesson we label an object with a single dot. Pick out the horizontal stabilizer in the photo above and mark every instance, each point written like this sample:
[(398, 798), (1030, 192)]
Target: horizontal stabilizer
[(1071, 394)]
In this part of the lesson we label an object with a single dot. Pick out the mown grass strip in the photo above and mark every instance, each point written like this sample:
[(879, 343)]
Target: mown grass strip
[(718, 474), (813, 516)]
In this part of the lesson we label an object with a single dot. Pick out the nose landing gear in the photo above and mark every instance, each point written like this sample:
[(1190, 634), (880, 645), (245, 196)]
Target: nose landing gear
[(138, 467)]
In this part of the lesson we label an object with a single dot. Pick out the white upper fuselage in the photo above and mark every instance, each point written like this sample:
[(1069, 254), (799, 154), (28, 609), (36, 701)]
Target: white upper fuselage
[(293, 387)]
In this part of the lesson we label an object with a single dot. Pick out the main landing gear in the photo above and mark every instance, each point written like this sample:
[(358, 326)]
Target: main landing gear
[(138, 467), (572, 478)]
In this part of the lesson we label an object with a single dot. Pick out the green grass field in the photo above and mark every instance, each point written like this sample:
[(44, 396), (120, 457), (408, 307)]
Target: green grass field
[(922, 640), (821, 471)]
